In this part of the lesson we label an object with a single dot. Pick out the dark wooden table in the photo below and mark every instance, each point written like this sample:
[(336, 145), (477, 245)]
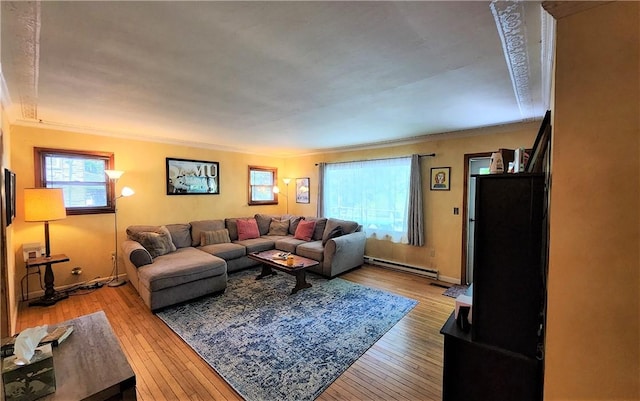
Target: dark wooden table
[(51, 296), (90, 365), (299, 268)]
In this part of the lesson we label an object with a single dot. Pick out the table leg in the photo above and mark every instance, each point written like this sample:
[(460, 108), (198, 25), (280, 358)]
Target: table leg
[(51, 296), (301, 282), (266, 271)]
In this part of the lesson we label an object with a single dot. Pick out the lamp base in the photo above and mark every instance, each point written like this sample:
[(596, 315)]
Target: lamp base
[(116, 283), (49, 300)]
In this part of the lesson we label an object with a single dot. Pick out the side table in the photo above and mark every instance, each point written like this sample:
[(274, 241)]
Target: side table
[(90, 364), (51, 296)]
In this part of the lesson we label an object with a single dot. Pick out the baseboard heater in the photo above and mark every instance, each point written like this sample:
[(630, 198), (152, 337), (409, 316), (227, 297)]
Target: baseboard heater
[(423, 271)]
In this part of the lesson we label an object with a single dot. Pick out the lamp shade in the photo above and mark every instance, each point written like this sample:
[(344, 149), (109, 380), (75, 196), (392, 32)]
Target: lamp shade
[(113, 174), (44, 204), (286, 180), (126, 191)]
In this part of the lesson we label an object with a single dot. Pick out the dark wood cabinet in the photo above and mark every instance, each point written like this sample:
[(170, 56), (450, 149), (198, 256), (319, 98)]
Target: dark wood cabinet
[(501, 357)]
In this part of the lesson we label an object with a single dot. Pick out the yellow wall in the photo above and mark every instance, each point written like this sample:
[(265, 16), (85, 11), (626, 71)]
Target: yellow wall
[(593, 337), (443, 229), (88, 240), (12, 306)]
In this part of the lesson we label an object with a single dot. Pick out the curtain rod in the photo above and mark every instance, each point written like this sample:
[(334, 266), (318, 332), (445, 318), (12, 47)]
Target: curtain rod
[(386, 158)]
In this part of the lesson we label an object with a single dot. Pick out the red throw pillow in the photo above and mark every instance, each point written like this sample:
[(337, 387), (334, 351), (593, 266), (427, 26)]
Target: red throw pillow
[(247, 229), (305, 230)]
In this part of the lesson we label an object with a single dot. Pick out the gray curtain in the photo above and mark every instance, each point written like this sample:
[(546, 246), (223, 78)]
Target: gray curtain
[(415, 218), (320, 211)]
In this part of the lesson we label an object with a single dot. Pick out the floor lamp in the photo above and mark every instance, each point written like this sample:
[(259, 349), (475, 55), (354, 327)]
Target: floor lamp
[(114, 175), (286, 182)]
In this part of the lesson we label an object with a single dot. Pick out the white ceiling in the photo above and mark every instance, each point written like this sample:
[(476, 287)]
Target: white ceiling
[(280, 77)]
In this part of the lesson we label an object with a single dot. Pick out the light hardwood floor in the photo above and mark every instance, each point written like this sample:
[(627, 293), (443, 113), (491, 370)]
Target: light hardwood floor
[(405, 364)]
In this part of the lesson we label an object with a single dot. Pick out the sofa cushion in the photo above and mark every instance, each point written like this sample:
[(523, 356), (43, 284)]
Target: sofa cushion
[(264, 222), (199, 226), (278, 227), (321, 222), (180, 267), (305, 230), (232, 226), (258, 244), (312, 250), (226, 251), (288, 244), (334, 233), (214, 237), (348, 227), (180, 234), (247, 229), (157, 242)]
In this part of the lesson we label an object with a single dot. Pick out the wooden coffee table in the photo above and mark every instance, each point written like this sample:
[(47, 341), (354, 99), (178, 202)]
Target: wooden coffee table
[(299, 268)]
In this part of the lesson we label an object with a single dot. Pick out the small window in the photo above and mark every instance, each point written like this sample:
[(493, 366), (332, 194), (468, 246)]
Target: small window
[(261, 185), (87, 189)]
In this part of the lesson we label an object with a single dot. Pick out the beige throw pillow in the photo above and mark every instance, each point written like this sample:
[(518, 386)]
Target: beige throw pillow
[(278, 227), (214, 237)]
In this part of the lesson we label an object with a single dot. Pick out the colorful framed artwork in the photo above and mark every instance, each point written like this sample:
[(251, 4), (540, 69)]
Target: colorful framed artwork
[(192, 177), (302, 190), (440, 178)]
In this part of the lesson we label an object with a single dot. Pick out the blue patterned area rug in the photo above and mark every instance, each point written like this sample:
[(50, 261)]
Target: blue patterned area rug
[(270, 345)]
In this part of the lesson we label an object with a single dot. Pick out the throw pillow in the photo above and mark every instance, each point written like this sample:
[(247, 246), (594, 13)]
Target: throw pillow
[(157, 243), (305, 230), (278, 227), (336, 232), (247, 229), (214, 237)]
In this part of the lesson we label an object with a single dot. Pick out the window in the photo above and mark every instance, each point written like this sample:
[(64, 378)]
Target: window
[(80, 174), (261, 185), (374, 193)]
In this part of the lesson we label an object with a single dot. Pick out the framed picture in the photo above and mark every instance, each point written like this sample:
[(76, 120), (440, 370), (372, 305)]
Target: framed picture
[(302, 190), (440, 178), (10, 195), (192, 177)]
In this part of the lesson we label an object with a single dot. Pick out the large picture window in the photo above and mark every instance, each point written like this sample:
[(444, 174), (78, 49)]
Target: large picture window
[(262, 181), (374, 193), (80, 174)]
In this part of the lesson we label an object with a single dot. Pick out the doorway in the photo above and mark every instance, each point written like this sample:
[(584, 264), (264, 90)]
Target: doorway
[(477, 163)]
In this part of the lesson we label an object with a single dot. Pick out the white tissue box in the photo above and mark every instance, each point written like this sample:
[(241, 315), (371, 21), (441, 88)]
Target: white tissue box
[(31, 381)]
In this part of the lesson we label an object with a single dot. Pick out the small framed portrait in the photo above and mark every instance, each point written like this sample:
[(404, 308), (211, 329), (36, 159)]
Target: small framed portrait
[(440, 178)]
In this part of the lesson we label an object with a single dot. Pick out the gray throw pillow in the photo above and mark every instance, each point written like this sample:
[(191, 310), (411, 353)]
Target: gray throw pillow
[(157, 243), (334, 233)]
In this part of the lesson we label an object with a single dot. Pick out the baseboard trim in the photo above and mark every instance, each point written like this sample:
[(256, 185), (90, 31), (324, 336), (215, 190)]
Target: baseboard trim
[(420, 270)]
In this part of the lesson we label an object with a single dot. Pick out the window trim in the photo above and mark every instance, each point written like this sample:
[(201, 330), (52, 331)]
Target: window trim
[(40, 175), (274, 172)]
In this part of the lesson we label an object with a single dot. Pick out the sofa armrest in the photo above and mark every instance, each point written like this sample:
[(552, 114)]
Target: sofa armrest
[(344, 253), (135, 253)]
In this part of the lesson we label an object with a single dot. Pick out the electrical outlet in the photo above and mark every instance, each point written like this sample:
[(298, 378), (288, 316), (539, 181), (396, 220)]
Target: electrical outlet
[(76, 271)]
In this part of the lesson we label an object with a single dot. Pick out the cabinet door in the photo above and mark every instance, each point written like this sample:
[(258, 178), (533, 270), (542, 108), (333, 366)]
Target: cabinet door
[(508, 271)]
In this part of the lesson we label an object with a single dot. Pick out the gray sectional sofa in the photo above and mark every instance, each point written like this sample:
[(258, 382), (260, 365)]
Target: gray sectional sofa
[(178, 262)]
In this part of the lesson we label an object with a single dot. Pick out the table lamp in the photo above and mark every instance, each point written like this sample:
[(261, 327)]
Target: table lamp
[(44, 205)]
